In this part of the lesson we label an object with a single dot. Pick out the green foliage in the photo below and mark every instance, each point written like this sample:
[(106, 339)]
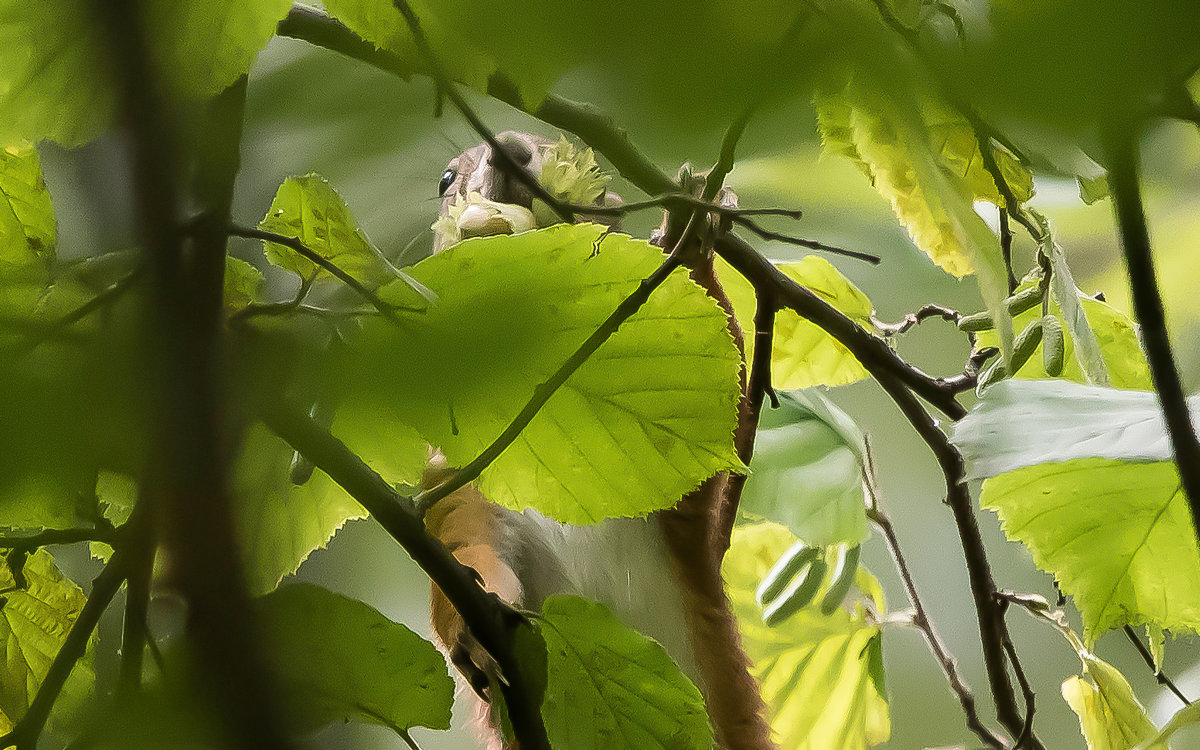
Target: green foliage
[(1110, 715), (337, 659), (56, 74), (28, 234), (803, 355), (1116, 339), (643, 421), (34, 622), (310, 210), (243, 283), (1117, 537), (821, 675), (281, 524), (807, 470), (609, 687), (380, 23), (925, 161)]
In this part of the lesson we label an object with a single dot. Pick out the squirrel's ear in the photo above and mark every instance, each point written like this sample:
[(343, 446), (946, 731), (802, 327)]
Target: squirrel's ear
[(517, 147)]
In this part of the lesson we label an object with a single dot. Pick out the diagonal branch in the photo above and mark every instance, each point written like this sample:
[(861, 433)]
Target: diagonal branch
[(385, 309), (490, 621)]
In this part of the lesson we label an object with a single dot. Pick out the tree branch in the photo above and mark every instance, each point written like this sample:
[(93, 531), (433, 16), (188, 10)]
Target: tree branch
[(24, 736), (186, 474), (104, 297), (1122, 149), (385, 309), (880, 360), (921, 621), (489, 620)]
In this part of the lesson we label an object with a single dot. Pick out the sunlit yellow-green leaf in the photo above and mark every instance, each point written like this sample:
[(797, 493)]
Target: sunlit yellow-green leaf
[(643, 421), (337, 659), (803, 355), (27, 230), (243, 283), (610, 688), (56, 74), (1117, 536), (822, 676), (34, 622), (309, 209), (922, 160)]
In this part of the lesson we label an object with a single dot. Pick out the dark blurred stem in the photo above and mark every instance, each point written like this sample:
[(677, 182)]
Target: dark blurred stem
[(187, 476), (139, 541), (1121, 142), (25, 734)]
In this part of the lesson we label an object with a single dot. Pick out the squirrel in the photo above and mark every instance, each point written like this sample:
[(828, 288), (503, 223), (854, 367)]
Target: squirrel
[(660, 575)]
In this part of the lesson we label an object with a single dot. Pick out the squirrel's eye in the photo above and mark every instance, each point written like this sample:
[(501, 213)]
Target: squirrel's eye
[(447, 178)]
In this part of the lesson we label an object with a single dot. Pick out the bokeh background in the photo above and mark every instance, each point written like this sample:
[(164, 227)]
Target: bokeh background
[(376, 139)]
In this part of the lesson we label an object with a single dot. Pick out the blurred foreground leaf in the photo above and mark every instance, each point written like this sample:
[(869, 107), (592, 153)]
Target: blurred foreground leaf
[(337, 659)]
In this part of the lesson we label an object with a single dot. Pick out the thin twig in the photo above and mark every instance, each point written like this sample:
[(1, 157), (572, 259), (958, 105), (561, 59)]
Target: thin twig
[(767, 234), (385, 309), (24, 736), (1006, 241), (542, 393), (1147, 657), (946, 660), (1026, 735), (140, 543), (1148, 308), (758, 387), (408, 740), (913, 319)]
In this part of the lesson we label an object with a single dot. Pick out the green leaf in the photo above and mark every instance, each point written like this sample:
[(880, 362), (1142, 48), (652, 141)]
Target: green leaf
[(116, 495), (282, 524), (27, 230), (1117, 537), (802, 354), (648, 417), (1116, 336), (34, 623), (821, 676), (48, 500), (1093, 189), (310, 210), (56, 76), (807, 471), (337, 659), (612, 688), (243, 283), (924, 163), (380, 23), (1066, 295), (1110, 715)]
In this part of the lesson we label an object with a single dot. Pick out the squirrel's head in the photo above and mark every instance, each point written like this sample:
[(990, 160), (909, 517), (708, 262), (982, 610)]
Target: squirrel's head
[(480, 197)]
